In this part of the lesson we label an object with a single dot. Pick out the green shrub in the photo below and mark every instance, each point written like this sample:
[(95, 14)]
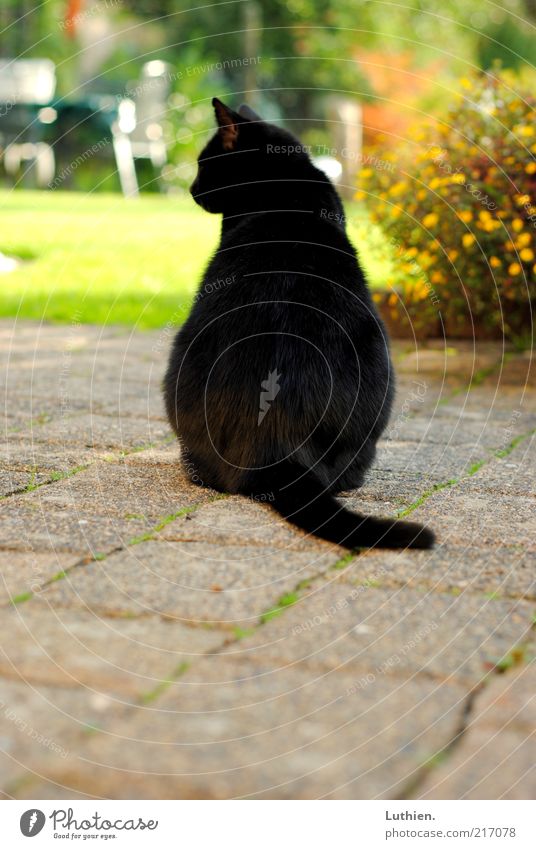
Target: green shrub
[(459, 208)]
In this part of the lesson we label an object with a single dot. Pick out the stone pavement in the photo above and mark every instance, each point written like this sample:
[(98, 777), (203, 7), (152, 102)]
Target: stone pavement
[(159, 640)]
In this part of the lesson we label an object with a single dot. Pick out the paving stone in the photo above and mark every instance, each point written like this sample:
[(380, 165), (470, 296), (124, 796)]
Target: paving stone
[(26, 525), (514, 474), (166, 453), (459, 359), (481, 434), (433, 462), (361, 680), (26, 571), (490, 572), (98, 431), (28, 456), (11, 482), (119, 658), (396, 490), (241, 521), (371, 631), (265, 734), (458, 515), (500, 404), (519, 370), (38, 727), (123, 490), (189, 581), (495, 757)]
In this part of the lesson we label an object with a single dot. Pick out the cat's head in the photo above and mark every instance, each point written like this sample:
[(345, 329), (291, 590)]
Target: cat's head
[(250, 164)]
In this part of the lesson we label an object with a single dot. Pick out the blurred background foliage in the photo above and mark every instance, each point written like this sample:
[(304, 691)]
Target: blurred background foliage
[(397, 59), (417, 70)]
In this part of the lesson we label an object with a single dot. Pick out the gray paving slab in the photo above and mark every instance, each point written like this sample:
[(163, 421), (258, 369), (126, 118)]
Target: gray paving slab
[(179, 646), (354, 625), (127, 491), (39, 725), (23, 572), (120, 659), (27, 525), (191, 582), (500, 572), (495, 757), (260, 735)]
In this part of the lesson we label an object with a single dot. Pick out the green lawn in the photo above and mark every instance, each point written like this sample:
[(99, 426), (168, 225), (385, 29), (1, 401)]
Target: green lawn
[(102, 259)]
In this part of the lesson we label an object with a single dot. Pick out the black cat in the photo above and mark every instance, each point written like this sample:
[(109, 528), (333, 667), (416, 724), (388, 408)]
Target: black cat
[(279, 383)]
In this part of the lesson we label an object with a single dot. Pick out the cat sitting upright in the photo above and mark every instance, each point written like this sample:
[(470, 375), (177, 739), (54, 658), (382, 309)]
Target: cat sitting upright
[(279, 384)]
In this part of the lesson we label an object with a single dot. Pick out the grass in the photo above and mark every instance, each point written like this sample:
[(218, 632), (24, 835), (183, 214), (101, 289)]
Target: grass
[(102, 259)]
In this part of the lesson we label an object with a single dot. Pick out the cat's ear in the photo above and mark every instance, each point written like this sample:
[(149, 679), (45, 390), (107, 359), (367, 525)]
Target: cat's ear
[(228, 122), (247, 112)]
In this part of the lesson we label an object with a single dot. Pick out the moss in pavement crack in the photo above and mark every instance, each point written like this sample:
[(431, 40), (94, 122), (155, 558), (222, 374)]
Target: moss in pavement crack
[(31, 486), (100, 556), (285, 601), (162, 686), (166, 520), (472, 470), (519, 655)]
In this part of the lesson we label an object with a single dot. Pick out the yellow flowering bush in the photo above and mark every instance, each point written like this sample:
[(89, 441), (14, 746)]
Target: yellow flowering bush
[(459, 206)]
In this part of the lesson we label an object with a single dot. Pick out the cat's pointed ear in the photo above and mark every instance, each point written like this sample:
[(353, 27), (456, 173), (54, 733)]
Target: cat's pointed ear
[(228, 122), (248, 113)]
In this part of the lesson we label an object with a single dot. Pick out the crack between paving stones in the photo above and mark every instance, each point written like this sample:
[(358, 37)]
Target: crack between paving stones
[(498, 453), (517, 657), (150, 535), (69, 473), (99, 558)]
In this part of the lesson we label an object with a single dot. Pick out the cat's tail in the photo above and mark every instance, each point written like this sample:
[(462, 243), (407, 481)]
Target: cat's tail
[(301, 498)]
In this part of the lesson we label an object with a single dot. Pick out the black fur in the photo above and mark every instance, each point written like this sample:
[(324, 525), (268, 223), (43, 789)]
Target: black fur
[(279, 383)]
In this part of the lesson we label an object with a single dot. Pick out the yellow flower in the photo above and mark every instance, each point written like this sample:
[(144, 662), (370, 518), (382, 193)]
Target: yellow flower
[(526, 255), (514, 268), (435, 152), (495, 262), (467, 240), (411, 252), (485, 215), (521, 200), (465, 83), (489, 226), (453, 254), (430, 220), (517, 225), (366, 172), (398, 188), (524, 130), (421, 194), (360, 195), (531, 168), (523, 240), (458, 178), (437, 277), (465, 215)]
